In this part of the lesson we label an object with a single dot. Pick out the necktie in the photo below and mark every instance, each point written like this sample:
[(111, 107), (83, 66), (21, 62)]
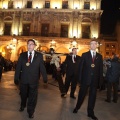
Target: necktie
[(93, 56), (30, 57), (74, 58)]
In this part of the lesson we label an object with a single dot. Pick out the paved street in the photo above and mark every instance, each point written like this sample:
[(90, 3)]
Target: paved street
[(50, 105)]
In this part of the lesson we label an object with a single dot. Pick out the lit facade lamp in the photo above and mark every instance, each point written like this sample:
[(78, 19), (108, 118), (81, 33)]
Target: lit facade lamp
[(52, 44), (73, 43), (10, 46)]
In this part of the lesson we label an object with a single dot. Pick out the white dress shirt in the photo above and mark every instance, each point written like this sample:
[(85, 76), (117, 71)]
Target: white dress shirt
[(73, 58), (32, 53), (93, 52)]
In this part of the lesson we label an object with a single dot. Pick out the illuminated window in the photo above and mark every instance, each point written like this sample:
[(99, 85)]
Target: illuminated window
[(45, 30), (64, 4), (47, 4), (29, 4), (86, 31), (86, 5), (64, 31), (7, 29), (10, 4), (26, 29)]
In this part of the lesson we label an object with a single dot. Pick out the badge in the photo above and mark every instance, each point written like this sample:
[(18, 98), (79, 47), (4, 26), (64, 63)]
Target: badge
[(92, 65), (27, 64)]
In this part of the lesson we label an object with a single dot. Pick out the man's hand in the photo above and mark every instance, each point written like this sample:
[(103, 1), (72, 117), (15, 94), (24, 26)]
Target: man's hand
[(16, 81)]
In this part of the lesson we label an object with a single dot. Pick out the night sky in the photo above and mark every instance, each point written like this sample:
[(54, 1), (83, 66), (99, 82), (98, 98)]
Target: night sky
[(110, 16)]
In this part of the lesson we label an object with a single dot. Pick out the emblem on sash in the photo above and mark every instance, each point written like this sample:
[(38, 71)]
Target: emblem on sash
[(27, 64), (92, 65)]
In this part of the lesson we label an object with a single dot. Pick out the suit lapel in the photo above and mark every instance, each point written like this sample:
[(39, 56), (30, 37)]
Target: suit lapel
[(90, 57), (96, 56), (26, 57), (35, 56)]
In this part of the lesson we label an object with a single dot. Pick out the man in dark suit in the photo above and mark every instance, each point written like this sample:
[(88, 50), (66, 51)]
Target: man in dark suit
[(30, 65), (91, 73), (71, 63)]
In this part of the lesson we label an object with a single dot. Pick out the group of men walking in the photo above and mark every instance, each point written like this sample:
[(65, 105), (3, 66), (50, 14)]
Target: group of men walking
[(86, 70)]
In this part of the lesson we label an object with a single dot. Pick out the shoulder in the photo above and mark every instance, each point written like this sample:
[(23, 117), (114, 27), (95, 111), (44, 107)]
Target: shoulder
[(23, 53), (86, 53), (99, 55), (38, 53)]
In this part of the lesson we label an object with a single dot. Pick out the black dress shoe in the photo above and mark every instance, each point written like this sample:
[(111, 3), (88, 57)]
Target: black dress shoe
[(115, 101), (21, 109), (107, 101), (31, 115), (73, 97), (93, 117), (63, 95), (75, 110)]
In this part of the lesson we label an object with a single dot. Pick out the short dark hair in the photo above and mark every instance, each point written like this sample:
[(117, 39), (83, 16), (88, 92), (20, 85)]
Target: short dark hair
[(31, 41), (93, 40), (73, 49)]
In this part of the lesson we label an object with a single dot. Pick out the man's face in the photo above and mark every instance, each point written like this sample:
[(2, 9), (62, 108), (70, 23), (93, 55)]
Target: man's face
[(30, 46), (74, 51), (93, 45)]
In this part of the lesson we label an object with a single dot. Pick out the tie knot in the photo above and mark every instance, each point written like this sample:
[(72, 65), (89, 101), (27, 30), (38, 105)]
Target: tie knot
[(30, 53)]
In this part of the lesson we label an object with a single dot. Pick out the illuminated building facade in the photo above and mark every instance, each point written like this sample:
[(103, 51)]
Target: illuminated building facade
[(61, 24)]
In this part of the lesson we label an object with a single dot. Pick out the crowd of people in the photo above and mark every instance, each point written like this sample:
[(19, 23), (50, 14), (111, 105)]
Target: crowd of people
[(89, 71)]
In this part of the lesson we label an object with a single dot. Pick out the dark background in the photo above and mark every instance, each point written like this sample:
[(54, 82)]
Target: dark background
[(110, 16)]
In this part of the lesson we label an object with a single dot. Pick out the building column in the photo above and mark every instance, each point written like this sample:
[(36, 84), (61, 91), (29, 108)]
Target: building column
[(1, 24)]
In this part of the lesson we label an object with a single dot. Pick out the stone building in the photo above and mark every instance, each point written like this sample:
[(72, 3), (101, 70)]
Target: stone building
[(61, 24)]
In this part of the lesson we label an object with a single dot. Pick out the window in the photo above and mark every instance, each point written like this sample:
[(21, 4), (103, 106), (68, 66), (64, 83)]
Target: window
[(85, 31), (110, 49), (7, 29), (26, 29), (64, 31), (86, 5), (10, 4), (29, 4), (64, 4), (47, 4), (45, 30)]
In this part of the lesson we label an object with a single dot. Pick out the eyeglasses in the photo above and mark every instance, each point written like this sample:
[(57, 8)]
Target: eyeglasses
[(30, 44)]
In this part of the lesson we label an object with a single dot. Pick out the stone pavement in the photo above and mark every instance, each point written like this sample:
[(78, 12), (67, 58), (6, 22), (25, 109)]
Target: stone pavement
[(50, 105)]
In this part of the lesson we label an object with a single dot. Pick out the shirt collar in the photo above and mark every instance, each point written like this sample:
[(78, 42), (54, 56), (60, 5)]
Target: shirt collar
[(31, 52), (92, 51)]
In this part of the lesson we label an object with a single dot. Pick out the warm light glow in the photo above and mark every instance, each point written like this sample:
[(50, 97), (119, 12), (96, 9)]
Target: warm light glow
[(93, 6), (15, 32), (76, 6), (95, 35), (74, 33), (14, 40), (52, 44), (74, 43), (4, 4), (11, 46), (56, 4), (18, 4)]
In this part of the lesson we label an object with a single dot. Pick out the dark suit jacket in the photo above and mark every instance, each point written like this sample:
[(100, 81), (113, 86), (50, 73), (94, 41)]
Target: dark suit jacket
[(72, 68), (113, 72), (30, 74), (89, 74), (2, 61)]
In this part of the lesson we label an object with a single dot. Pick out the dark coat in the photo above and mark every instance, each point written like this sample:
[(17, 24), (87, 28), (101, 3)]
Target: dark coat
[(72, 68), (2, 61), (113, 72), (86, 71), (30, 74)]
